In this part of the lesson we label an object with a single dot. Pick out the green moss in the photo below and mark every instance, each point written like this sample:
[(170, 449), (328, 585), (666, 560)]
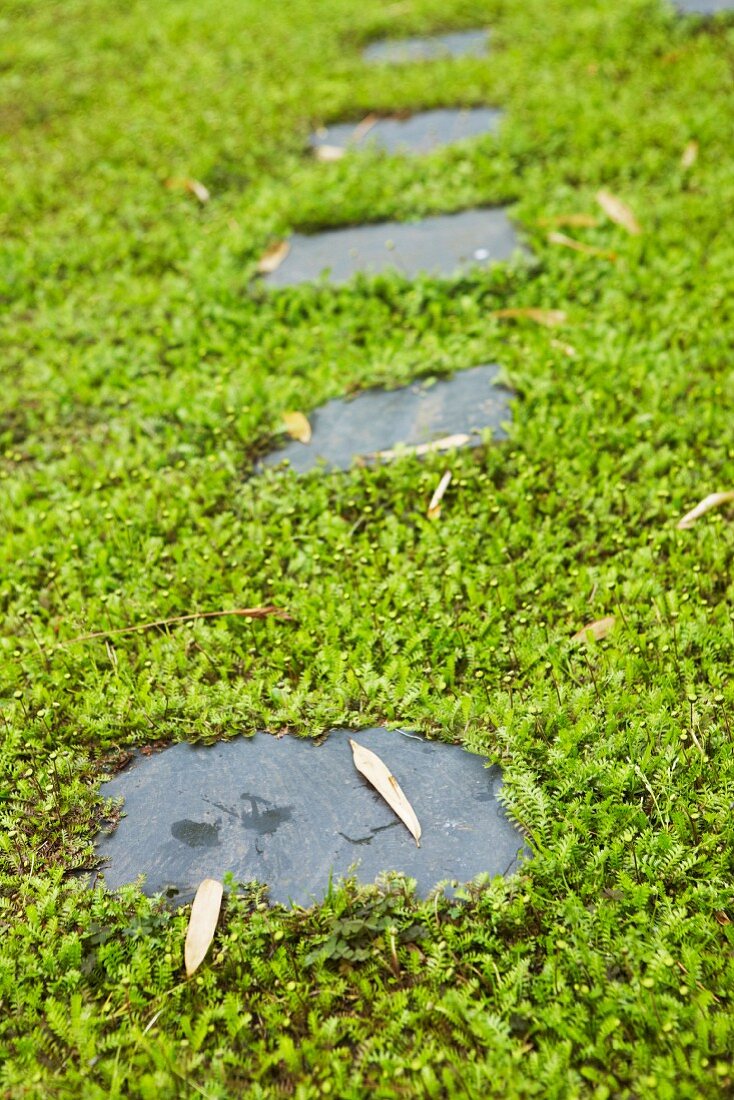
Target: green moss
[(144, 372)]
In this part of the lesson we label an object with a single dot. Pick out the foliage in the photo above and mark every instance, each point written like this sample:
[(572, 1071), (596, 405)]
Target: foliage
[(144, 371)]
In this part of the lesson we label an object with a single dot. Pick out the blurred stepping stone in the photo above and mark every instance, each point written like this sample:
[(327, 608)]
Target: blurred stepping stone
[(433, 48), (289, 813), (704, 7), (441, 245), (378, 421), (421, 133)]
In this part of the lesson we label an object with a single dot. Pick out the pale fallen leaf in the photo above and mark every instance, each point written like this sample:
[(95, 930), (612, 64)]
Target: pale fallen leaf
[(329, 153), (549, 317), (297, 426), (578, 246), (434, 508), (446, 443), (567, 349), (363, 128), (202, 923), (619, 212), (574, 221), (273, 257), (198, 190), (597, 630), (376, 772), (713, 500), (689, 155)]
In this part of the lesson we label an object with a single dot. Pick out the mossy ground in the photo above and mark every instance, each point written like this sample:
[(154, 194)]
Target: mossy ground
[(143, 372)]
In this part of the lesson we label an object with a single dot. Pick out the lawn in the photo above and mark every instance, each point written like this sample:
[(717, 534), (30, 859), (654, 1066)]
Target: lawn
[(144, 371)]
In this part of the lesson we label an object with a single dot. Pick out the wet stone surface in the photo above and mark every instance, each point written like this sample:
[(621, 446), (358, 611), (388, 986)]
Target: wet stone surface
[(289, 813), (420, 133), (704, 7), (345, 432), (433, 48), (443, 245)]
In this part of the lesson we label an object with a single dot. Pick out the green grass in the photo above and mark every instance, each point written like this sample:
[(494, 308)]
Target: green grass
[(143, 372)]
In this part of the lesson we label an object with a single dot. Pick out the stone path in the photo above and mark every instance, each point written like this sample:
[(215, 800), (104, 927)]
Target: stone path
[(419, 133), (704, 7), (431, 48), (290, 813), (374, 422), (443, 245), (285, 811)]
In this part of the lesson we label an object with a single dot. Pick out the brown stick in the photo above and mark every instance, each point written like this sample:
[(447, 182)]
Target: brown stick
[(246, 612)]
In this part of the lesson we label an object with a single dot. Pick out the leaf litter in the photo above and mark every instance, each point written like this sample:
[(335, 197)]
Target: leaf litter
[(202, 923), (297, 426), (551, 318), (434, 508), (273, 257), (713, 500), (597, 630), (579, 246), (376, 772), (618, 212)]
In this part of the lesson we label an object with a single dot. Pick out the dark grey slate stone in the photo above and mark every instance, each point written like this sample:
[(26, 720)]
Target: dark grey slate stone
[(289, 813), (704, 7), (379, 420), (420, 133), (443, 245), (433, 48)]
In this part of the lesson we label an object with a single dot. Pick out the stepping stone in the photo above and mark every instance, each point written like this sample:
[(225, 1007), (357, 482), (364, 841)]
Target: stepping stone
[(443, 245), (378, 421), (289, 813), (421, 133), (434, 48), (704, 7)]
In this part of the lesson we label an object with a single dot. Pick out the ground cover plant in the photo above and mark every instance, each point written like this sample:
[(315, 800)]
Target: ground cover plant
[(144, 372)]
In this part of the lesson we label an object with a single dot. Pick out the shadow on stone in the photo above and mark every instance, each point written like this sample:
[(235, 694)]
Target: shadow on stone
[(420, 133), (434, 48), (378, 421), (289, 813), (443, 245)]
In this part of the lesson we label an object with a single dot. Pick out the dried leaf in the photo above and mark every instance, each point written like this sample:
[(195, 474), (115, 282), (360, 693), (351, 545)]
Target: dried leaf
[(244, 612), (721, 917), (619, 212), (573, 221), (551, 318), (690, 155), (446, 443), (577, 246), (375, 772), (567, 349), (713, 500), (363, 128), (434, 508), (329, 153), (198, 190), (273, 257), (297, 426), (202, 923), (597, 630)]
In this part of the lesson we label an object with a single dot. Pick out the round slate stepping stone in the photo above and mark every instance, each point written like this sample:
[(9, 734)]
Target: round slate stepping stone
[(704, 7), (420, 133), (443, 245), (290, 813), (378, 421), (431, 48)]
